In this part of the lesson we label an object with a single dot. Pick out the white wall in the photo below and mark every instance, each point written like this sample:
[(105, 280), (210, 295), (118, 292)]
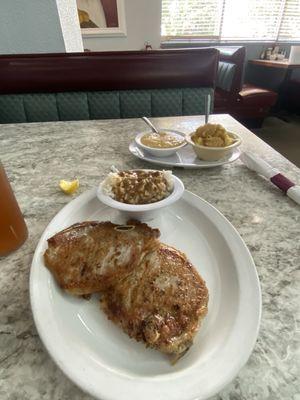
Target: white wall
[(143, 24), (33, 26)]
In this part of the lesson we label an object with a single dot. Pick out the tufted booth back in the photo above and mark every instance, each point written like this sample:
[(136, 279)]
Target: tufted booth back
[(234, 55), (79, 86), (226, 72), (71, 106)]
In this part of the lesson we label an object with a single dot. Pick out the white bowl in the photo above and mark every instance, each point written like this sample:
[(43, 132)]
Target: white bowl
[(213, 153), (157, 152), (143, 211)]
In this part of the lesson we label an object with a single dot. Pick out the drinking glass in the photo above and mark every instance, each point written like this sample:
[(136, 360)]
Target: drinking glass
[(13, 230)]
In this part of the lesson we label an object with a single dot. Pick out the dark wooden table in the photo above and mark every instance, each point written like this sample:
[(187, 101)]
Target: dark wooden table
[(288, 70), (282, 64)]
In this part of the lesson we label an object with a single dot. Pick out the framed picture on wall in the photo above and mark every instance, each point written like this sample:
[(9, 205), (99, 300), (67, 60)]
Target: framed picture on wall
[(101, 17)]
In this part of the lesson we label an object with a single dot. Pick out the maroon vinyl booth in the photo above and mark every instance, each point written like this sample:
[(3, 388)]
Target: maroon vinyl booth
[(247, 103)]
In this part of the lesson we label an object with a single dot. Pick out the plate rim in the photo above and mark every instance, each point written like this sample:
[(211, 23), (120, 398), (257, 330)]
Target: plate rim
[(159, 160), (74, 377)]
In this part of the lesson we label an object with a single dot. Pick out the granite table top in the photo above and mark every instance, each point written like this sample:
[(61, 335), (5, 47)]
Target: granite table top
[(37, 155)]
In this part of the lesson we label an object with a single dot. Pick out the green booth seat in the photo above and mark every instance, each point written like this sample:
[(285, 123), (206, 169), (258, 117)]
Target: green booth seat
[(71, 106)]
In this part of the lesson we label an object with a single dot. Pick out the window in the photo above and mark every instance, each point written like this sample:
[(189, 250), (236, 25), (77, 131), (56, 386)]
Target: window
[(229, 20), (192, 18), (290, 24), (251, 19)]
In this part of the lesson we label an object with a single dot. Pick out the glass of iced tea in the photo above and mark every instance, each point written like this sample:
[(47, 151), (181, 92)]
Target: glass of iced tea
[(13, 230)]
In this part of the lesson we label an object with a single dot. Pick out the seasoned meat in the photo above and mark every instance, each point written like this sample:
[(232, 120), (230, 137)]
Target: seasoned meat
[(149, 289), (161, 302), (90, 256)]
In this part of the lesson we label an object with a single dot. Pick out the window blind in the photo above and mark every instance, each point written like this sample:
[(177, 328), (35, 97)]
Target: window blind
[(290, 24), (251, 19), (191, 18), (243, 20)]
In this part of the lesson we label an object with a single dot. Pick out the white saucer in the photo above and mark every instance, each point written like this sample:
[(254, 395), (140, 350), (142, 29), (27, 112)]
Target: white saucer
[(185, 158)]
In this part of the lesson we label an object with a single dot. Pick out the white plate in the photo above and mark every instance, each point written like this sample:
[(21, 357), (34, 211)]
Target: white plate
[(185, 157), (104, 361)]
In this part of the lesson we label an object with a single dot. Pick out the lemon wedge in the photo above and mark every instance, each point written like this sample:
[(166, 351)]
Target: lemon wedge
[(69, 187)]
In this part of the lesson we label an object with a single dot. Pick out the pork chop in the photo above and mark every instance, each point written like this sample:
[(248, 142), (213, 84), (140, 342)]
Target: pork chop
[(89, 257), (161, 302)]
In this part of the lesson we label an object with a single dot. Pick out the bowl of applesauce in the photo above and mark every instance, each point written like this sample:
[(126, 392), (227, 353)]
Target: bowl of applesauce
[(163, 144), (211, 142)]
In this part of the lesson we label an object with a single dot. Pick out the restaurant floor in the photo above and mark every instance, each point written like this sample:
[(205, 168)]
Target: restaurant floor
[(283, 136)]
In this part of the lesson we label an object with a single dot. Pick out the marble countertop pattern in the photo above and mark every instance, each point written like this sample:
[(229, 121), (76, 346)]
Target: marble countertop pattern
[(37, 155)]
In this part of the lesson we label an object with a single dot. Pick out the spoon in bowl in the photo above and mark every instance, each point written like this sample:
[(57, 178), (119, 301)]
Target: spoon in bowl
[(149, 123), (207, 107)]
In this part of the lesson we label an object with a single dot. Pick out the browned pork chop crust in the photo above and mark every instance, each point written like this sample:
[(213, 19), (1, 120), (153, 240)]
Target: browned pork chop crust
[(161, 302), (90, 256)]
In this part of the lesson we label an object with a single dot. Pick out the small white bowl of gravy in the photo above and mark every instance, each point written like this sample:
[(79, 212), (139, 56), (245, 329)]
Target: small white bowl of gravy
[(162, 144)]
